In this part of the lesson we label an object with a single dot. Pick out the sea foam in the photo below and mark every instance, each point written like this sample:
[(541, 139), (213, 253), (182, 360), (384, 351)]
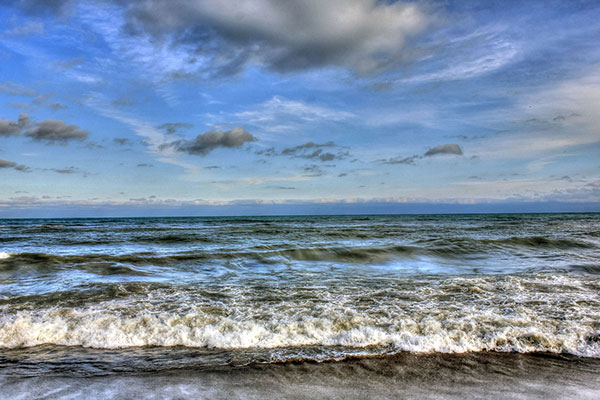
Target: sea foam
[(110, 326)]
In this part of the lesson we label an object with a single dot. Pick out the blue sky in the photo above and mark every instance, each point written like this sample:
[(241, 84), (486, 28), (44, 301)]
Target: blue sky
[(262, 106)]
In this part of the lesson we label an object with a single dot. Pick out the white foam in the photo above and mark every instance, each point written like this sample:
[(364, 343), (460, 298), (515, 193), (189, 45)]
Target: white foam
[(455, 315), (4, 255), (449, 334)]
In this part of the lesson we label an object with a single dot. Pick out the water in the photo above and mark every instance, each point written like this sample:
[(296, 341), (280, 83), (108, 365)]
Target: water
[(91, 297)]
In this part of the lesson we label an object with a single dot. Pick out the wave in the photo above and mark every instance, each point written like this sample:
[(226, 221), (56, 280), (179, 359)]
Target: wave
[(454, 248), (468, 245), (450, 334), (542, 313)]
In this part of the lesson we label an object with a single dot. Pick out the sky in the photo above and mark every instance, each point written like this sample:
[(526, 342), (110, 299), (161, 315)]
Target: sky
[(211, 107)]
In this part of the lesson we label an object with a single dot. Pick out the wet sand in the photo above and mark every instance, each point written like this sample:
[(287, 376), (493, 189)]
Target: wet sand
[(405, 376)]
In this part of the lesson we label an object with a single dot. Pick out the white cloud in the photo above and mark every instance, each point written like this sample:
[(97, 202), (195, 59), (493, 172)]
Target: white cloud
[(472, 55), (278, 114), (548, 121)]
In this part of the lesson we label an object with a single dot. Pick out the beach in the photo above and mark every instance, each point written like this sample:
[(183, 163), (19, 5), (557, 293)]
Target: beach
[(405, 376)]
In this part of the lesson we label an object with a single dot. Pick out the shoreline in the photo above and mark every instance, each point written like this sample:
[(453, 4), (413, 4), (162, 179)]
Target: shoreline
[(405, 375)]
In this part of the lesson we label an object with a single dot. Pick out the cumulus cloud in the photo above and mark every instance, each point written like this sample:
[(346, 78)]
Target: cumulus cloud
[(444, 149), (14, 165), (52, 131), (365, 36), (10, 128), (208, 141)]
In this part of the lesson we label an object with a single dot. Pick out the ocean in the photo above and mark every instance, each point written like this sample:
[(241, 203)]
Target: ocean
[(372, 305)]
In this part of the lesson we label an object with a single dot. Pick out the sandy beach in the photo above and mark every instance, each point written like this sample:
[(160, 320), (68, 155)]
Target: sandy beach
[(406, 376)]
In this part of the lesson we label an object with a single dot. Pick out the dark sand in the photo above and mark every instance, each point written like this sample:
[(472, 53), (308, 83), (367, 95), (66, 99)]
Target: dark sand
[(406, 376)]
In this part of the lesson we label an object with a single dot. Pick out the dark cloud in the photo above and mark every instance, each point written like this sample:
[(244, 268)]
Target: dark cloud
[(465, 137), (444, 149), (121, 141), (57, 106), (173, 127), (310, 151), (400, 160), (283, 36), (212, 167), (559, 118), (43, 7), (52, 131), (441, 149), (207, 142), (13, 128), (14, 165), (306, 146)]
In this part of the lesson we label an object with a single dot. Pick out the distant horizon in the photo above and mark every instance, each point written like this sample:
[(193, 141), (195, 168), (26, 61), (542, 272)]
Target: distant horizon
[(299, 210)]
